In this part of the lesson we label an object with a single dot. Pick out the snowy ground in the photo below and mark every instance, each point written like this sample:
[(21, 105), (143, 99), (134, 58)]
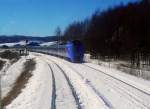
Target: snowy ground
[(23, 43), (37, 93), (9, 74), (12, 44), (58, 84), (48, 43), (123, 66)]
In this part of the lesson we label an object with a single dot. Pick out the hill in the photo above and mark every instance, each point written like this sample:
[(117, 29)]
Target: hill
[(18, 38)]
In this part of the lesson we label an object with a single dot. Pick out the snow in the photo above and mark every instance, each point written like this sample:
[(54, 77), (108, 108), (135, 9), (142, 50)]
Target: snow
[(64, 97), (65, 85), (8, 44), (88, 98), (9, 74), (6, 65), (37, 93), (48, 43), (124, 66), (120, 95), (129, 79), (23, 43), (106, 86), (12, 44)]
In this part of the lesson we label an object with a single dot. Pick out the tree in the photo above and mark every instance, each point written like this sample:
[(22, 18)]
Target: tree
[(58, 32), (120, 31), (76, 30)]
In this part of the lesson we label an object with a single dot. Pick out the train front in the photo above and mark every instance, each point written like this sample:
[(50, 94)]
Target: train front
[(75, 51)]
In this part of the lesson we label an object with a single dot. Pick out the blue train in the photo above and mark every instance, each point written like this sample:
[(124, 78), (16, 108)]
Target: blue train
[(72, 51), (75, 51)]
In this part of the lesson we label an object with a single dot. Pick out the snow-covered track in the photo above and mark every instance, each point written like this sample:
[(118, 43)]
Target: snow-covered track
[(63, 94), (53, 101), (71, 87), (107, 103), (123, 90), (130, 94), (143, 91), (101, 99), (99, 87), (113, 81)]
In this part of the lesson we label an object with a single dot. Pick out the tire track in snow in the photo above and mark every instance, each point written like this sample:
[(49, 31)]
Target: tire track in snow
[(53, 102)]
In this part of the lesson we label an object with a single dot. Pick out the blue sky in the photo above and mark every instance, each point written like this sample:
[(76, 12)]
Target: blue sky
[(41, 17)]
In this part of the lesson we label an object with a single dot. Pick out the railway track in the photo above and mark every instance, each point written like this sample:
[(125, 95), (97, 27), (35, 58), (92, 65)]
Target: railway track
[(120, 89), (119, 80), (77, 99), (131, 95), (56, 81), (53, 101), (71, 87)]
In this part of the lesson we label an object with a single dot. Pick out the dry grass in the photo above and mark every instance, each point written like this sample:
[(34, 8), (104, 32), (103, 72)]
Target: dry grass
[(9, 55), (1, 64), (20, 83)]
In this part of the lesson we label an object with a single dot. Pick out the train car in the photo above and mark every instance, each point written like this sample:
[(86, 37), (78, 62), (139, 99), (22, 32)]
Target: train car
[(73, 51)]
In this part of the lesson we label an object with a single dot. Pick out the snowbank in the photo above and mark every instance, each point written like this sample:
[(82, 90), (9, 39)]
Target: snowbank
[(37, 93), (48, 43), (139, 83), (9, 74)]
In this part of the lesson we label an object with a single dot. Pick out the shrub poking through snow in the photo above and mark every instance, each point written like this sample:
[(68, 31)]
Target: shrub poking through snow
[(20, 83), (1, 64), (9, 55)]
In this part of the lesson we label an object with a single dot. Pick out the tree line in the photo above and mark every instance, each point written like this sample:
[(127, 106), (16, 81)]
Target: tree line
[(122, 32)]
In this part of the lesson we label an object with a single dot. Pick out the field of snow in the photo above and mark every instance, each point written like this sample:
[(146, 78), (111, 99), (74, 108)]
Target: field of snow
[(59, 84), (124, 66), (23, 43), (12, 44), (48, 43)]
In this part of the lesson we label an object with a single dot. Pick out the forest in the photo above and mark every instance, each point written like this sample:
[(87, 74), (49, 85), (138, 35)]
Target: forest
[(121, 32)]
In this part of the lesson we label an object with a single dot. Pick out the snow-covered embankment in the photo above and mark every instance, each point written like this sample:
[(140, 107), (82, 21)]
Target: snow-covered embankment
[(37, 93)]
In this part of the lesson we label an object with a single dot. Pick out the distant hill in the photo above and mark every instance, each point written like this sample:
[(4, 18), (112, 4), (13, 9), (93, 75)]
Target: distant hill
[(18, 38)]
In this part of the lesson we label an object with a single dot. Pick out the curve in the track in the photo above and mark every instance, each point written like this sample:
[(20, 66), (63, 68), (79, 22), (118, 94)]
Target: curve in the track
[(53, 102), (107, 103), (71, 87)]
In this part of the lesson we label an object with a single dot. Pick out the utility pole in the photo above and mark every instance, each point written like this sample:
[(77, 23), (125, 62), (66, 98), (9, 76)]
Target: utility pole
[(58, 34), (26, 50)]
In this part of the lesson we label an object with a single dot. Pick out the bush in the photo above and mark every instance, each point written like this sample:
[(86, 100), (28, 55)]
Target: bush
[(5, 47), (9, 55), (20, 83), (1, 64)]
